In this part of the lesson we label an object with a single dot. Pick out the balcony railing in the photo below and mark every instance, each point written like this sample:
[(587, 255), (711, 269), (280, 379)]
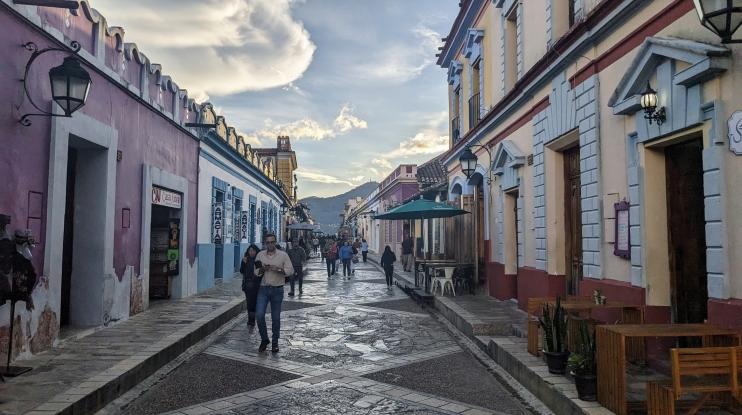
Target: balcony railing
[(455, 129), (474, 114)]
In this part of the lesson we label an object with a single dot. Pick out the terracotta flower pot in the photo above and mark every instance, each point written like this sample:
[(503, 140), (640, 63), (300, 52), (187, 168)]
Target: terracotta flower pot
[(557, 362)]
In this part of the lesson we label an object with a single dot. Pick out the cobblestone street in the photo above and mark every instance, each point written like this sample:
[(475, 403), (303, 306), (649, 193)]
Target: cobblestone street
[(347, 346)]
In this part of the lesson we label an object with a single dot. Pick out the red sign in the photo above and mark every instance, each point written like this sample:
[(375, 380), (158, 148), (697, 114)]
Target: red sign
[(166, 198)]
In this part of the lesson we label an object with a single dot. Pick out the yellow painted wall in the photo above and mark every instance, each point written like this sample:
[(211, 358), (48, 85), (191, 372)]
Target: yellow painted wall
[(533, 32)]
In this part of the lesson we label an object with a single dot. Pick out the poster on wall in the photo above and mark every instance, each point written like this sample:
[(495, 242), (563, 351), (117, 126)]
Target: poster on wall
[(217, 224), (735, 133), (173, 249), (244, 225), (622, 242)]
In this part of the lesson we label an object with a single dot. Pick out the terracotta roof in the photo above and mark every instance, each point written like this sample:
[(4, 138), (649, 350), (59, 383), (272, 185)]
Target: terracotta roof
[(431, 173)]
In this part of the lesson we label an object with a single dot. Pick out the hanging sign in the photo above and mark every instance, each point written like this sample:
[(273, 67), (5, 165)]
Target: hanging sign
[(244, 224), (217, 224), (735, 133), (167, 198)]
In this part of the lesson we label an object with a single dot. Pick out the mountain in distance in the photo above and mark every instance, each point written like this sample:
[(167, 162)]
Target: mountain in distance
[(325, 210)]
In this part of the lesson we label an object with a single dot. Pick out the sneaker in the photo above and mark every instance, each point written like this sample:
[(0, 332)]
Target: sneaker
[(263, 345), (291, 294), (274, 349)]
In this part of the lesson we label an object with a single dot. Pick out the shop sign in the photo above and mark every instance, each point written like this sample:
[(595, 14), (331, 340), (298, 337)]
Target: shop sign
[(735, 133), (167, 198), (244, 224), (217, 223)]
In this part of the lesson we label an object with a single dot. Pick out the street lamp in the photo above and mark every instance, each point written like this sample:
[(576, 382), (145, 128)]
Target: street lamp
[(722, 17), (284, 208), (468, 161), (649, 104), (70, 83)]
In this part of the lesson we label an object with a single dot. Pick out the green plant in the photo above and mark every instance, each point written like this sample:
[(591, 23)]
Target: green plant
[(554, 323), (583, 361)]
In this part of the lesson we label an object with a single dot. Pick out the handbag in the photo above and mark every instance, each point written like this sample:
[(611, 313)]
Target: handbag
[(355, 259)]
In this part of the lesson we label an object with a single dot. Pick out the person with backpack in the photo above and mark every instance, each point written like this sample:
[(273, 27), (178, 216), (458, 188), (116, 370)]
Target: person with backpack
[(331, 256), (387, 262)]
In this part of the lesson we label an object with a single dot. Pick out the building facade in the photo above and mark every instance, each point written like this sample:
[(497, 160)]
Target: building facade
[(110, 194), (585, 192)]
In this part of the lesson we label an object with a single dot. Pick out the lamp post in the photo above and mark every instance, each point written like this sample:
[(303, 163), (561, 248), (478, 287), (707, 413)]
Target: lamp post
[(722, 17), (469, 161), (70, 82)]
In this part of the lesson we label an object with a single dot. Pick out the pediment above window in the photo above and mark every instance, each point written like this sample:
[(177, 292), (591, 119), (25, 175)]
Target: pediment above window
[(473, 45), (508, 159), (454, 73), (660, 59)]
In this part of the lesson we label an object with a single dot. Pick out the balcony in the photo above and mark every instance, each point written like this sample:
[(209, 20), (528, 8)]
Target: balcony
[(455, 129), (474, 111)]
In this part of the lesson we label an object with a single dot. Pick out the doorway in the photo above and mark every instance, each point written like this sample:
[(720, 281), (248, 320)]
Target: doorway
[(164, 257), (67, 246), (573, 219), (511, 243), (686, 231)]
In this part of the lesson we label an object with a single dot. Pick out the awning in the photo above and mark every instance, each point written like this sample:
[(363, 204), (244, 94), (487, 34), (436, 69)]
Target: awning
[(421, 209)]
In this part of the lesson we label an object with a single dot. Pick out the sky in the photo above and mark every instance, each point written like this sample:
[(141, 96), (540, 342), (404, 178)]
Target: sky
[(353, 82)]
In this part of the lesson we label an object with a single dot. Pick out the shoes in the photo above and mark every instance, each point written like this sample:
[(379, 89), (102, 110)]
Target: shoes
[(263, 345), (301, 292), (291, 294), (274, 349)]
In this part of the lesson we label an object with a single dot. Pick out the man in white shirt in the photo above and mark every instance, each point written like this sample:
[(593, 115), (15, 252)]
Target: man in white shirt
[(275, 266)]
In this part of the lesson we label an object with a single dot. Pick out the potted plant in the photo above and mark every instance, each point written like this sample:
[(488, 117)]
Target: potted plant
[(582, 365), (554, 323)]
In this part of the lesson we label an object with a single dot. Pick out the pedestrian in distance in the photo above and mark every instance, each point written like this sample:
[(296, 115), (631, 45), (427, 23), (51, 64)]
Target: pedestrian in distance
[(387, 262), (315, 245), (364, 249), (275, 267), (346, 255), (250, 281), (298, 257), (331, 256), (407, 262), (353, 260)]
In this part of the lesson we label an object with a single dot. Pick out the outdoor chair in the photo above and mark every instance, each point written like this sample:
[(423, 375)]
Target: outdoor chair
[(695, 371)]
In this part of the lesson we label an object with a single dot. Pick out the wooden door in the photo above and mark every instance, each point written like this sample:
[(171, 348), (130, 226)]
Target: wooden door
[(573, 219), (686, 231)]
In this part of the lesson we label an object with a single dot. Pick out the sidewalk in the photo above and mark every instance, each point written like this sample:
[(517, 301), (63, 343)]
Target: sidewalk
[(83, 374), (499, 329)]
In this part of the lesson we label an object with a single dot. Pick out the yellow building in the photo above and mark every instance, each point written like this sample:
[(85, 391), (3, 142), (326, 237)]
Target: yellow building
[(282, 161), (576, 188)]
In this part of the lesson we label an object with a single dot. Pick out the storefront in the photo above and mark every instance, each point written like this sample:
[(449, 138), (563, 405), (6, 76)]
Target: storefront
[(164, 260)]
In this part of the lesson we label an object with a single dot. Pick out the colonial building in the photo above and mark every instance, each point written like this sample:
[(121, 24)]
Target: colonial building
[(112, 193), (282, 161), (585, 180)]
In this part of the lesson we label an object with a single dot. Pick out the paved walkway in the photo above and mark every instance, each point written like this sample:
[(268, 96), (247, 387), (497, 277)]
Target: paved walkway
[(85, 373), (347, 346)]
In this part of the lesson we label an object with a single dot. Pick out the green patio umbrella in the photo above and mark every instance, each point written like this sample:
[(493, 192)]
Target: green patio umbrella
[(421, 209)]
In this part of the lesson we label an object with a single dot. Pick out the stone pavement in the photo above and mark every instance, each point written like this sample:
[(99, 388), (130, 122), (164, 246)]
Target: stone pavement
[(347, 346), (85, 373), (499, 329)]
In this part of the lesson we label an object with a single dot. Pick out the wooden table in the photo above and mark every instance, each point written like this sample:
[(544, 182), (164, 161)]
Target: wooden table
[(611, 353)]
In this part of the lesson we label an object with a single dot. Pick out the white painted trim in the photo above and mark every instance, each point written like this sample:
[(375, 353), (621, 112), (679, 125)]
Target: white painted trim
[(95, 132), (184, 284)]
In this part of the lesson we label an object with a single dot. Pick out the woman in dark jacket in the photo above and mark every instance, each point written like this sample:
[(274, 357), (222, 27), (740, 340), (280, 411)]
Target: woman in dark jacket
[(387, 262), (250, 281)]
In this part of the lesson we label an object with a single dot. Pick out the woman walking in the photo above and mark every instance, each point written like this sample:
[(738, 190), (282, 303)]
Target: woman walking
[(250, 281), (346, 255), (364, 249), (387, 262)]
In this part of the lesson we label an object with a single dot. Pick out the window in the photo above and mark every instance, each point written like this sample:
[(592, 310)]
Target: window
[(455, 122), (474, 104), (511, 48), (563, 17)]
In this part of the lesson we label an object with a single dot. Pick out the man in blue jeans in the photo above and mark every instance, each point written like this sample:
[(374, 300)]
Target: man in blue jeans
[(275, 266)]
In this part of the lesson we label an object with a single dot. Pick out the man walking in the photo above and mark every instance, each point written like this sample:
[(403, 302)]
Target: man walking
[(315, 245), (407, 253), (364, 249), (275, 265), (298, 257)]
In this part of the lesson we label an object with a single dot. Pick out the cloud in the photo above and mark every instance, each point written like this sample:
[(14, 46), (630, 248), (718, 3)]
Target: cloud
[(307, 128), (402, 62), (321, 177), (217, 46)]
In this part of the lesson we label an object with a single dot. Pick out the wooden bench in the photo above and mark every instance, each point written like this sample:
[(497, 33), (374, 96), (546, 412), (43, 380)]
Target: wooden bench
[(703, 370)]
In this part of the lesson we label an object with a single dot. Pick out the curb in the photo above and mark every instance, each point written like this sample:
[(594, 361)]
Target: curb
[(96, 392)]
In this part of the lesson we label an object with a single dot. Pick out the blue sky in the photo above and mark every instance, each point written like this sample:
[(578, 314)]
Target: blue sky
[(353, 82)]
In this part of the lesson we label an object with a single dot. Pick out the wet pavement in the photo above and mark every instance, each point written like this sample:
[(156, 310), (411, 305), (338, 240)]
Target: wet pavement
[(347, 346)]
